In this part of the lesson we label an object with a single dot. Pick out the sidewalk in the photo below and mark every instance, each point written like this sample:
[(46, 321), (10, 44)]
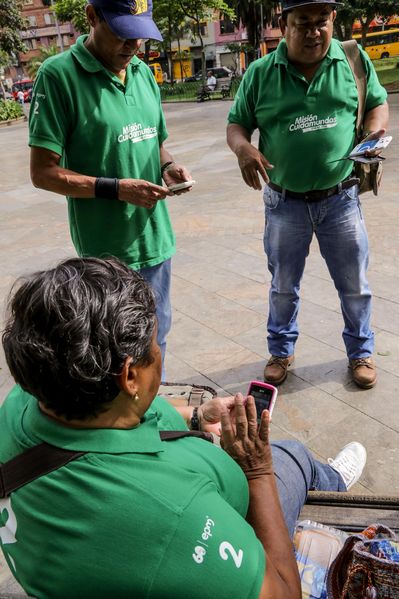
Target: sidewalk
[(220, 288)]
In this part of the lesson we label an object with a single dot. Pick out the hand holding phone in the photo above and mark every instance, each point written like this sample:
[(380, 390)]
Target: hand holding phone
[(265, 396), (181, 186)]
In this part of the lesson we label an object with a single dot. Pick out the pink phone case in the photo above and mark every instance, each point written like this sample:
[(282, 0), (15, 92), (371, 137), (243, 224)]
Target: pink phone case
[(264, 386)]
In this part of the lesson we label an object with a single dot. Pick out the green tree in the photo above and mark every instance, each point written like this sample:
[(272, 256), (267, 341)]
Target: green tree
[(11, 24), (365, 11), (254, 15), (35, 63), (72, 11), (173, 25), (200, 11)]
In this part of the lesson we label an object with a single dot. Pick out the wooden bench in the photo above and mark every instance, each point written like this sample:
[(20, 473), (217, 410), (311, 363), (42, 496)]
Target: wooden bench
[(223, 88)]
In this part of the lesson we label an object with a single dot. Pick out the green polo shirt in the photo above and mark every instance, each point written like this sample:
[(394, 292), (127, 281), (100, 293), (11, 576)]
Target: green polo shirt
[(134, 517), (104, 128), (305, 128)]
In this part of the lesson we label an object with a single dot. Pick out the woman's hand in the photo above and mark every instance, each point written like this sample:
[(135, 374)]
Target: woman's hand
[(243, 441), (209, 413)]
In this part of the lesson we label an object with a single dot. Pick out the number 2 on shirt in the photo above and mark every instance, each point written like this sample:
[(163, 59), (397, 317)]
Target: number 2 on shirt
[(227, 550)]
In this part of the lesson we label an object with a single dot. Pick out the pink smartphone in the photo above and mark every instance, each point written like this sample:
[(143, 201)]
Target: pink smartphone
[(265, 396)]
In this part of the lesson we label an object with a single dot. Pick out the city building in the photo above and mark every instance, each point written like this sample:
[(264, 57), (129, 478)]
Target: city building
[(43, 31)]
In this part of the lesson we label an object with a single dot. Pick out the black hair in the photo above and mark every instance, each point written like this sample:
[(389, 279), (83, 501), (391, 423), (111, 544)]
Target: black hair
[(70, 330)]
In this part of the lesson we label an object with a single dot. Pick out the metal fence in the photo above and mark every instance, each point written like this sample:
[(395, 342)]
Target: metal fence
[(188, 92)]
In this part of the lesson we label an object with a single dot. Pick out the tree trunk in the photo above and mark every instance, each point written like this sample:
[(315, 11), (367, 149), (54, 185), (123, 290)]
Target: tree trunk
[(171, 70), (365, 28), (180, 59), (147, 48)]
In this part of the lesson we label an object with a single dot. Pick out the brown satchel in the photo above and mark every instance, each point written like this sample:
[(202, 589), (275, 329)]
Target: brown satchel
[(358, 574), (370, 175)]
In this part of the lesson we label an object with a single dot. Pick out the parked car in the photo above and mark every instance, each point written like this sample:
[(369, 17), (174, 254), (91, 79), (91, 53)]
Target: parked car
[(219, 73)]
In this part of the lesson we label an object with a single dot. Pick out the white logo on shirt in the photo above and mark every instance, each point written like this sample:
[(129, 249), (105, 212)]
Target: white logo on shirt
[(135, 132), (8, 526), (311, 122)]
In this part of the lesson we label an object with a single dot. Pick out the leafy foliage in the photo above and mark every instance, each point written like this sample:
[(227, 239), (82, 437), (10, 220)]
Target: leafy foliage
[(11, 23), (365, 11), (73, 11), (254, 16), (9, 109), (35, 63), (199, 11)]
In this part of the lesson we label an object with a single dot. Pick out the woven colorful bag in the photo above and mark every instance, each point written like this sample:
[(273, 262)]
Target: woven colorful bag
[(367, 567)]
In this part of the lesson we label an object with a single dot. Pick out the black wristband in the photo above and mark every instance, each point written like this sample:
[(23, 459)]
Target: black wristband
[(165, 166), (194, 422), (107, 189)]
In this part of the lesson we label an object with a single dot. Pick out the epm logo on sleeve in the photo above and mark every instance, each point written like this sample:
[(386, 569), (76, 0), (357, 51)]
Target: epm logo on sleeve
[(138, 7)]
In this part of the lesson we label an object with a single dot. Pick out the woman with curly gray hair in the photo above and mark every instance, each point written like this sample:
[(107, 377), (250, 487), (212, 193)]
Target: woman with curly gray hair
[(134, 515)]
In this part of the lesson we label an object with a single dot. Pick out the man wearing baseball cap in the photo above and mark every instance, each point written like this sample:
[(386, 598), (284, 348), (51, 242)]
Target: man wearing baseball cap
[(303, 99), (97, 134)]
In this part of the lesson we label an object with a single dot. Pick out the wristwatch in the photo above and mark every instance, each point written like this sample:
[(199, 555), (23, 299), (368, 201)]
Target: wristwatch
[(194, 422)]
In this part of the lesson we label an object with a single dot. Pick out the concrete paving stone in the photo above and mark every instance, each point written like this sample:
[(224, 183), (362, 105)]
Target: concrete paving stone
[(319, 292), (251, 294), (252, 267), (380, 403), (254, 340), (304, 410), (197, 345), (387, 352), (217, 313), (384, 287), (319, 364), (381, 472), (386, 315), (234, 374), (223, 282), (178, 371), (321, 323)]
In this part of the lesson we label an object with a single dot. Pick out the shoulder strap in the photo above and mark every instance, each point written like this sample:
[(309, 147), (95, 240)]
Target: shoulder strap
[(355, 61), (31, 464), (44, 458)]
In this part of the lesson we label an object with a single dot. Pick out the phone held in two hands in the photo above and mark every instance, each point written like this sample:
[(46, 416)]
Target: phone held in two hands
[(265, 396)]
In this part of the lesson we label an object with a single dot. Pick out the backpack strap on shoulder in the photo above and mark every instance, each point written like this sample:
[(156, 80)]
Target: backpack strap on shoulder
[(31, 464), (355, 61), (45, 458)]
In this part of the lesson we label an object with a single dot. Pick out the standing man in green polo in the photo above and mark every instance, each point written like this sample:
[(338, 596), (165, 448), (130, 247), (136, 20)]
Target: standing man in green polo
[(97, 134), (303, 99)]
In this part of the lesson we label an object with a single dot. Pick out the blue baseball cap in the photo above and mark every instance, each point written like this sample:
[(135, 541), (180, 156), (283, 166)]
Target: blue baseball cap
[(289, 4), (129, 19)]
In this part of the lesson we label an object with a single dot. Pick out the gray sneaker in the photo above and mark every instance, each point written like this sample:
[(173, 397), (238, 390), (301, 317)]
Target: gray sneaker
[(350, 462)]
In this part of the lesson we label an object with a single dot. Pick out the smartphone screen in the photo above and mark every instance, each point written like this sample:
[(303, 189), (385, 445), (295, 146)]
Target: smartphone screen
[(263, 398)]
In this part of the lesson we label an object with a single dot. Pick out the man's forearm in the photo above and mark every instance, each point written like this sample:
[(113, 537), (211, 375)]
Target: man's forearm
[(266, 517), (164, 155), (377, 118), (65, 182), (237, 137)]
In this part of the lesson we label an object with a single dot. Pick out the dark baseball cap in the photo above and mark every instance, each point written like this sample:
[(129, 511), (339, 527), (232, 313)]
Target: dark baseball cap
[(129, 19), (289, 4)]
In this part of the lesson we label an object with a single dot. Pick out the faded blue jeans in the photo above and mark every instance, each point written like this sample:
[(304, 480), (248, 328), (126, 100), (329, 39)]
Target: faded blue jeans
[(159, 278), (298, 472), (339, 227)]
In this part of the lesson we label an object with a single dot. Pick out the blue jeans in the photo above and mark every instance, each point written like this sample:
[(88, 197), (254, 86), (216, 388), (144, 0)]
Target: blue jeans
[(298, 472), (341, 232), (159, 277)]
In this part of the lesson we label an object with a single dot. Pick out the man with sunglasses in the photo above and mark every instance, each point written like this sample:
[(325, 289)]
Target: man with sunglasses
[(303, 99), (97, 134)]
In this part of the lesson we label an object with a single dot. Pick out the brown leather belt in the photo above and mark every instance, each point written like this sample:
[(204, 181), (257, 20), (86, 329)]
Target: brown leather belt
[(316, 195)]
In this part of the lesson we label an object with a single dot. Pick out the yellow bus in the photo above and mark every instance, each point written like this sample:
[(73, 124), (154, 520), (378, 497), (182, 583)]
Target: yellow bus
[(381, 44)]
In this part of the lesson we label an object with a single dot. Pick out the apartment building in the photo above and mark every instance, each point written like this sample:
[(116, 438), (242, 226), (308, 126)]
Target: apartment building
[(43, 31)]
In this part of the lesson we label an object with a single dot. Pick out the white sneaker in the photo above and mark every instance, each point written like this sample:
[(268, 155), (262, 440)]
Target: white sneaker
[(349, 463)]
